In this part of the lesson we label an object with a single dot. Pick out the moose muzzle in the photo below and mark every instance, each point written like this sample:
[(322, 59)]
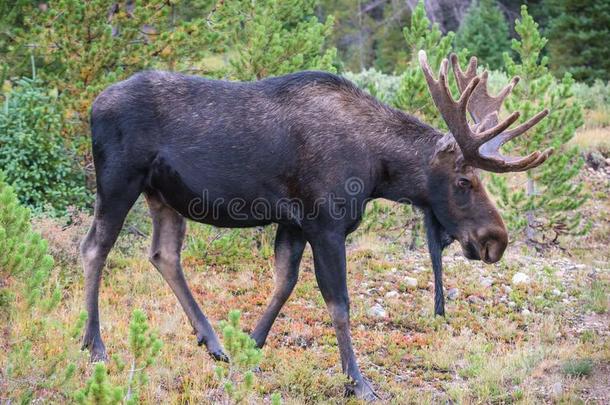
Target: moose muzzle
[(491, 244)]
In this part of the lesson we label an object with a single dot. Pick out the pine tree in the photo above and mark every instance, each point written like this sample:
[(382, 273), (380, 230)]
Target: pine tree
[(12, 22), (25, 267), (359, 30), (579, 39), (84, 46), (413, 95), (551, 196), (484, 31), (274, 37), (389, 44), (33, 154)]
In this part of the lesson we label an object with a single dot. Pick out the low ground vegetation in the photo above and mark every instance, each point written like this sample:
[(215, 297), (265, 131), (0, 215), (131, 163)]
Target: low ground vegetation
[(545, 339)]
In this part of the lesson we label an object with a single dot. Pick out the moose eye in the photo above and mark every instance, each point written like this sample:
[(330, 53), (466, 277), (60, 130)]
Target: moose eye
[(464, 183)]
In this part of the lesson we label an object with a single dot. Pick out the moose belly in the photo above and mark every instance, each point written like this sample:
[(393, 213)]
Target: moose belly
[(220, 200)]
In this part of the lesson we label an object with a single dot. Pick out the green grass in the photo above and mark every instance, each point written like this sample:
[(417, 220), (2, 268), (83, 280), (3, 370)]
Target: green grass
[(578, 367), (597, 297)]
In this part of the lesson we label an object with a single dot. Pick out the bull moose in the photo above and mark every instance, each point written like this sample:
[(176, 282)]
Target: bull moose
[(306, 151)]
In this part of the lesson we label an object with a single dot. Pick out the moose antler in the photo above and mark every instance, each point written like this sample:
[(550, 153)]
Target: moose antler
[(480, 145), (481, 103)]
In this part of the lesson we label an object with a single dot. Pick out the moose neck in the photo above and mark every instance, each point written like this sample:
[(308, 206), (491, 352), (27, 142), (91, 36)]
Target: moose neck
[(405, 159)]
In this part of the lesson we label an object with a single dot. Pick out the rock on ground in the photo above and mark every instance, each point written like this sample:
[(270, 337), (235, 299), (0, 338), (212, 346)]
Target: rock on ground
[(411, 283), (391, 294), (377, 311), (453, 294), (521, 279), (486, 282)]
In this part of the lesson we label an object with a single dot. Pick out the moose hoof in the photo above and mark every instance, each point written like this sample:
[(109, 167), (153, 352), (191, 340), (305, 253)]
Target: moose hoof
[(96, 349), (213, 346), (98, 355), (259, 341), (363, 391), (219, 355)]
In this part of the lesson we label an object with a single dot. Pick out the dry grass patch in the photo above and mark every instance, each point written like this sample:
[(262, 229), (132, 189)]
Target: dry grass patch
[(593, 138)]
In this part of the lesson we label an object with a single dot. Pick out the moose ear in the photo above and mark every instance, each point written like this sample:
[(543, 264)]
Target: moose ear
[(446, 144), (448, 151)]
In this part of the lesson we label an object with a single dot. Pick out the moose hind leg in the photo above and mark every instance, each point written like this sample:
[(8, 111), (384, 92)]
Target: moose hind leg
[(168, 234), (110, 212), (289, 246)]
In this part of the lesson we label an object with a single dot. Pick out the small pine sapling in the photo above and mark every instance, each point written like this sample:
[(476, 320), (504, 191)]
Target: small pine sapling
[(99, 390), (237, 379), (276, 398), (30, 299), (144, 347)]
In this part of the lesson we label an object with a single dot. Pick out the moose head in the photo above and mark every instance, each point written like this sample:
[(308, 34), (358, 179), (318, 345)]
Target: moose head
[(459, 201)]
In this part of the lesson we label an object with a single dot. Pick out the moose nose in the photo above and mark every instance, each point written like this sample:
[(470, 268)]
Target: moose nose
[(491, 252), (493, 245)]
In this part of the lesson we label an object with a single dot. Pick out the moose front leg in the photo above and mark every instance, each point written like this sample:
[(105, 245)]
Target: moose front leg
[(436, 244), (329, 261)]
